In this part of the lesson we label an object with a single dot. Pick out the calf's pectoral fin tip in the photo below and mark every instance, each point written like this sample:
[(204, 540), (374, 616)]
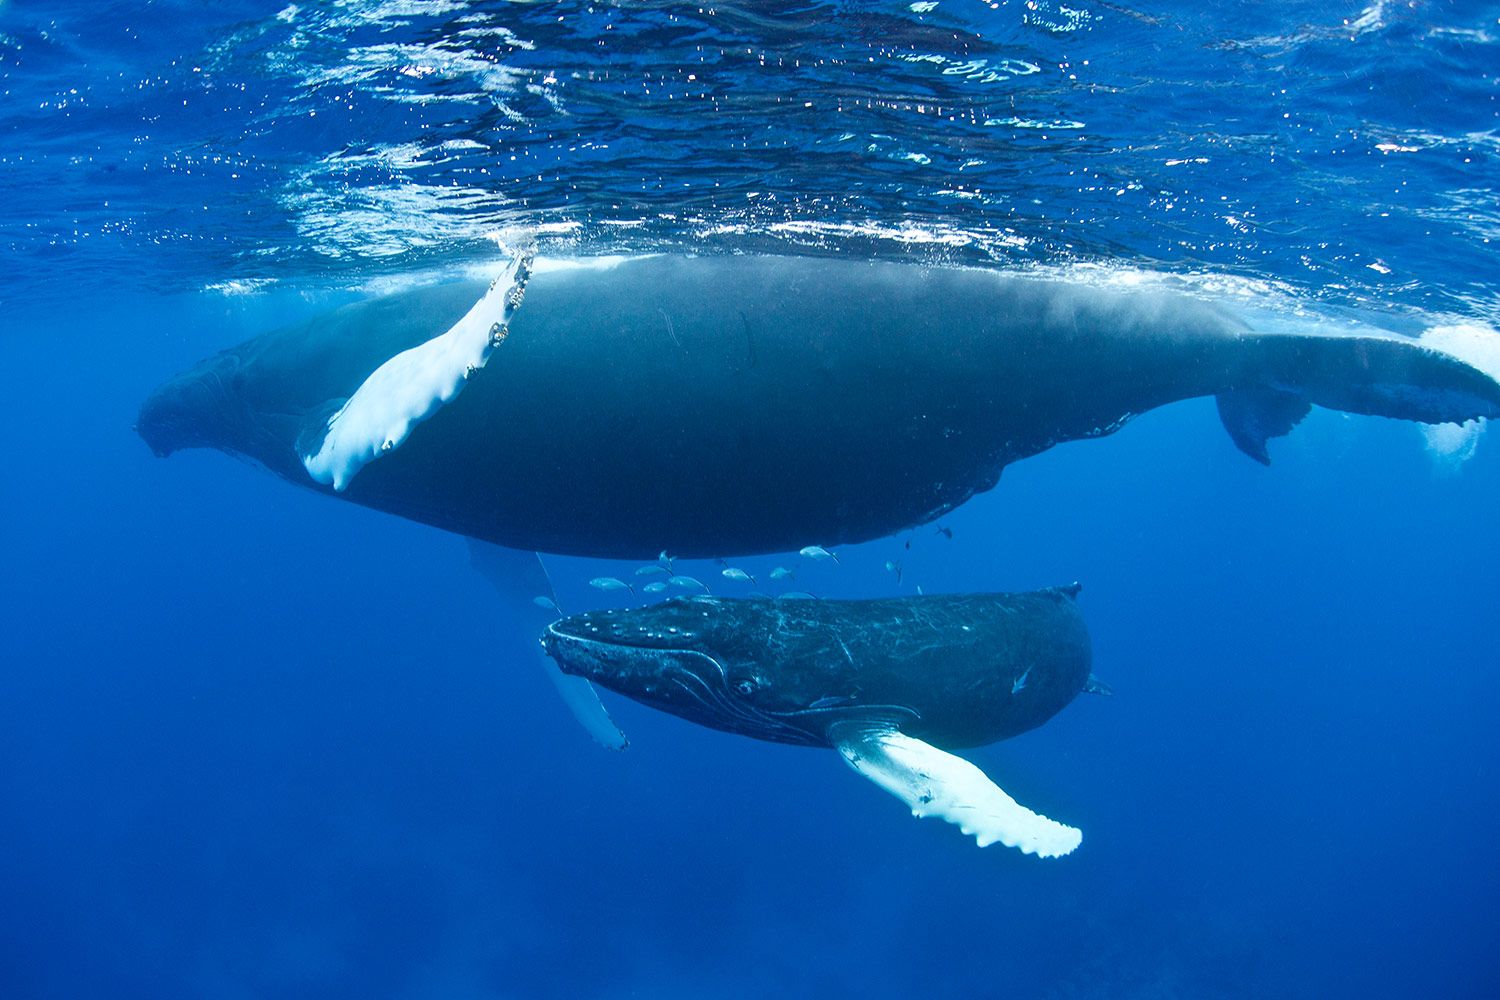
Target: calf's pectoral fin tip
[(583, 701), (516, 577), (936, 783)]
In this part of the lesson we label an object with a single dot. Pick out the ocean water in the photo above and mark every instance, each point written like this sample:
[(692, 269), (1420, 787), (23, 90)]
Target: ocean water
[(257, 744)]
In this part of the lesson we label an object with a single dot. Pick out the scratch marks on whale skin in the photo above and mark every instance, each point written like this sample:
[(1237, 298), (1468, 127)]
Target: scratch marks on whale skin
[(748, 362), (671, 331), (845, 647)]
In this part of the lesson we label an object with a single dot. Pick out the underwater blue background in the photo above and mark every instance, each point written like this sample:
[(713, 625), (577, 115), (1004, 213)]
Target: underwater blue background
[(257, 744)]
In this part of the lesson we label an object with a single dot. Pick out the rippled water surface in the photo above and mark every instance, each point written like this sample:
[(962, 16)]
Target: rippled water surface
[(1347, 152)]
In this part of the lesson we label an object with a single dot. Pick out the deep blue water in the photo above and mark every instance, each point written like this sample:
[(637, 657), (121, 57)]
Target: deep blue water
[(257, 744)]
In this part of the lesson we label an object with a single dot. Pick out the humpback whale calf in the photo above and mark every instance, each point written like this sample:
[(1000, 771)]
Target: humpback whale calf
[(714, 406), (891, 684)]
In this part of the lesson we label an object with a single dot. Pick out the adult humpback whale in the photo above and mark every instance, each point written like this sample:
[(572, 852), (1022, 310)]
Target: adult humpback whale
[(729, 405), (888, 683)]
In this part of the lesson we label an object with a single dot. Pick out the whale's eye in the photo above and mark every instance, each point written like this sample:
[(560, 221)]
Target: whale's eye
[(744, 687)]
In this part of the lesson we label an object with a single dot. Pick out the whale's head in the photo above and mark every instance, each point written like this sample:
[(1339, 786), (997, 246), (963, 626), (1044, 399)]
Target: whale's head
[(705, 659), (218, 404), (200, 408), (258, 398)]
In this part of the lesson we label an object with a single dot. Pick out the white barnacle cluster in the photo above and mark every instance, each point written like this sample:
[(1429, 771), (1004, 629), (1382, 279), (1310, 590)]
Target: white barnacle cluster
[(415, 384)]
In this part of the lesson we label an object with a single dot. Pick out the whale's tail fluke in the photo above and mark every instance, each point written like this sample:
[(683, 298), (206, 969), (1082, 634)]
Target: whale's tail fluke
[(1286, 374)]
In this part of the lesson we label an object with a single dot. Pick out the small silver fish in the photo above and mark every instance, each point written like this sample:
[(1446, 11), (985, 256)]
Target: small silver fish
[(687, 583), (892, 566), (781, 573), (796, 595), (665, 560), (543, 601), (650, 569), (735, 573), (817, 552), (654, 587), (1020, 682), (608, 583)]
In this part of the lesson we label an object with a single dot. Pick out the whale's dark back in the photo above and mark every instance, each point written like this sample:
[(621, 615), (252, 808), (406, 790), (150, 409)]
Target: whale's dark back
[(976, 668)]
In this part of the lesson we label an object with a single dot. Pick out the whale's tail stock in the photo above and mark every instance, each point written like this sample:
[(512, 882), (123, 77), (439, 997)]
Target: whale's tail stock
[(1451, 375)]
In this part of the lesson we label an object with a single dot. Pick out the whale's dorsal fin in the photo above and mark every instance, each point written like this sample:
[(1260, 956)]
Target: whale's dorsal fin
[(935, 783)]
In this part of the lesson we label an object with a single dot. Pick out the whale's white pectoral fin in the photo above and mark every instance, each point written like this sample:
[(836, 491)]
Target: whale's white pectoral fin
[(935, 783), (518, 577), (412, 386)]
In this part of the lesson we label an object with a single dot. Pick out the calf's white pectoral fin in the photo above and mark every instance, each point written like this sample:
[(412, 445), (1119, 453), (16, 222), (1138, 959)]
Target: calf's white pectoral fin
[(413, 385), (935, 783), (583, 701)]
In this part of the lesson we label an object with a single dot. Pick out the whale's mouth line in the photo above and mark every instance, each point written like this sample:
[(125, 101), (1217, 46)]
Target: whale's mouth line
[(708, 689), (657, 642), (599, 644), (605, 642), (553, 634)]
